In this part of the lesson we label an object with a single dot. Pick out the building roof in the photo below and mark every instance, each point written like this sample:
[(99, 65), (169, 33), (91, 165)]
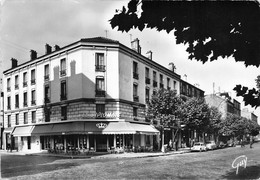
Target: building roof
[(99, 40)]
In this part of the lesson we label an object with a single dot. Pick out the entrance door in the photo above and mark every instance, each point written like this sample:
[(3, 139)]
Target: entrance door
[(101, 141)]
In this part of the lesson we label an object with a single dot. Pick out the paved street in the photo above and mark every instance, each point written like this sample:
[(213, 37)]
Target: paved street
[(205, 165)]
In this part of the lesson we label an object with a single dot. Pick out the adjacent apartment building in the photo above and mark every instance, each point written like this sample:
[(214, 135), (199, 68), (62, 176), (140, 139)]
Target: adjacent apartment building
[(90, 94)]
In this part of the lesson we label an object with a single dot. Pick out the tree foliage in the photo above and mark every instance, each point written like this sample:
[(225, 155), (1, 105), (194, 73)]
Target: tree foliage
[(215, 121), (211, 29)]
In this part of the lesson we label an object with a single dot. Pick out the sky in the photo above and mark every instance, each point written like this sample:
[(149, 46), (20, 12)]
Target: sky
[(30, 24)]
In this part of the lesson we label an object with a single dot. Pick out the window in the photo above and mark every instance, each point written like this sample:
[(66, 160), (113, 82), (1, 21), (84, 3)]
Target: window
[(47, 113), (161, 81), (174, 85), (135, 93), (25, 117), (33, 116), (168, 84), (100, 110), (63, 112), (9, 84), (154, 79), (33, 97), (135, 70), (9, 120), (9, 102), (63, 67), (147, 95), (100, 63), (16, 101), (100, 87), (33, 77), (25, 104), (46, 72), (16, 82), (135, 113), (147, 76), (16, 119), (63, 87), (25, 79), (46, 94)]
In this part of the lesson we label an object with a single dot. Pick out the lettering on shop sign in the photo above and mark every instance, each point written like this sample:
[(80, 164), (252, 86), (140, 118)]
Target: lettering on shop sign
[(101, 125), (239, 161)]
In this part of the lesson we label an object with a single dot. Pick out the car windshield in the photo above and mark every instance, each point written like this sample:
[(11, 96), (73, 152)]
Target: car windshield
[(197, 144)]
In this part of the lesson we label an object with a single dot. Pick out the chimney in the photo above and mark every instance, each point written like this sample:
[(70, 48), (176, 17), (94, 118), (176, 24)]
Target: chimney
[(150, 55), (47, 49), (56, 47), (135, 45), (14, 63), (33, 54), (172, 66)]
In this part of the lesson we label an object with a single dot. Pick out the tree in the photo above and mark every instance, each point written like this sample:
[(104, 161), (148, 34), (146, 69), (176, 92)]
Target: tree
[(211, 29), (215, 121), (195, 115), (164, 107)]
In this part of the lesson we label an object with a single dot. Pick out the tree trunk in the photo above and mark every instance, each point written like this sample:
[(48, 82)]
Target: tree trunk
[(162, 148)]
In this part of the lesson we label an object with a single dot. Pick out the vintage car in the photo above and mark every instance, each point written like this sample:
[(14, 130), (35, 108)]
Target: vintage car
[(211, 145), (199, 146)]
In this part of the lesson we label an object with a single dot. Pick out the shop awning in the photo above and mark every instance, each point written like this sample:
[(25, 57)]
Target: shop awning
[(42, 129), (119, 128), (23, 131), (144, 129), (8, 130)]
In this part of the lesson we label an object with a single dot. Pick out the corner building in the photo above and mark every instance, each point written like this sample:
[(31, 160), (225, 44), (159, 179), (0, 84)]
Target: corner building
[(90, 94)]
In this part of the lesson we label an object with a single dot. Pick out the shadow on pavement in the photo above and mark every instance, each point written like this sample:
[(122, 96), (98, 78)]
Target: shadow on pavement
[(250, 172)]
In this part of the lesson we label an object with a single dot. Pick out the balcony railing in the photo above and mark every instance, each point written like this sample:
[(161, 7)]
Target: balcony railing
[(25, 104), (135, 75), (63, 97), (8, 107), (17, 105), (33, 102), (63, 118), (8, 89), (33, 81), (25, 84), (63, 72), (154, 83), (136, 98), (25, 121), (100, 93), (147, 80), (46, 100), (16, 86), (101, 68), (47, 77)]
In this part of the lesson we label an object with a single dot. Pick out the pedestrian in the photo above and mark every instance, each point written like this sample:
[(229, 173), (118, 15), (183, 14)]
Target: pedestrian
[(170, 144), (251, 141), (242, 143)]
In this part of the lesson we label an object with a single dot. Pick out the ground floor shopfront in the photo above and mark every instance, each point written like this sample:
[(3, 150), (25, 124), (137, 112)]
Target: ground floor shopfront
[(96, 135)]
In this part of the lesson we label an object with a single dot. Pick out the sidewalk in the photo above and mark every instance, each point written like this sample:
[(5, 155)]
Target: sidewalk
[(102, 155)]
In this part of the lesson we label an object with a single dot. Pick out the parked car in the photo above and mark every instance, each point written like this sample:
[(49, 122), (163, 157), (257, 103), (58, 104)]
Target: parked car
[(211, 145), (222, 144), (199, 146)]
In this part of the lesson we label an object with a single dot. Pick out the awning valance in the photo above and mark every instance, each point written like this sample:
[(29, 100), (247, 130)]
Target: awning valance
[(23, 131), (144, 129)]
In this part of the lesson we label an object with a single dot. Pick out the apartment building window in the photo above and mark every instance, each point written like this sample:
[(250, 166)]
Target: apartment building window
[(135, 93), (17, 119), (147, 95), (33, 98), (25, 103), (9, 102), (100, 111), (47, 113), (63, 87), (25, 79), (168, 84), (33, 116), (154, 79), (161, 81), (9, 120), (16, 82), (17, 101), (174, 85), (135, 113), (147, 75), (33, 81), (63, 67), (9, 84), (63, 112), (46, 94), (135, 70), (46, 72), (25, 117), (100, 62), (100, 86)]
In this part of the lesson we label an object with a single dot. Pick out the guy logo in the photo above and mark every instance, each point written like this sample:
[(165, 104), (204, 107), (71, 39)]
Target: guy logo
[(239, 161)]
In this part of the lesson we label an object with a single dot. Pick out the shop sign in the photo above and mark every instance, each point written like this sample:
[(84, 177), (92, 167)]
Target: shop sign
[(101, 125)]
